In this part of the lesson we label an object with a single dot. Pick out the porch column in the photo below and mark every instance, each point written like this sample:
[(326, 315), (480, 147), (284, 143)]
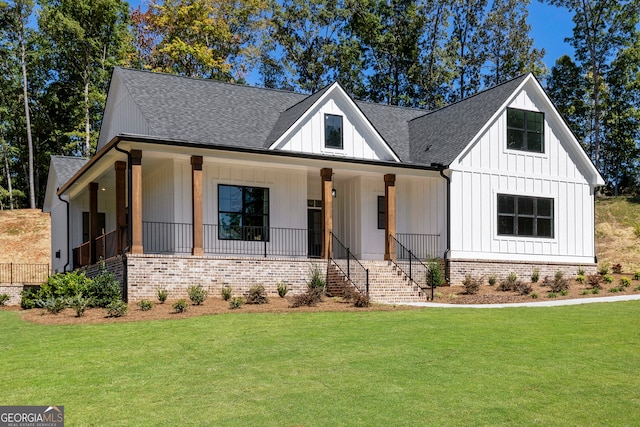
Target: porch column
[(135, 210), (121, 204), (327, 210), (390, 224), (93, 220), (196, 204)]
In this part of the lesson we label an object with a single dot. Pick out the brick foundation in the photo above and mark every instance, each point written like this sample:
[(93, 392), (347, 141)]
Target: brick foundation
[(459, 268)]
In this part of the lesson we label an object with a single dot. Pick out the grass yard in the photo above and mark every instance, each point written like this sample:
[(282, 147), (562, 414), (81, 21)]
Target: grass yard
[(575, 365)]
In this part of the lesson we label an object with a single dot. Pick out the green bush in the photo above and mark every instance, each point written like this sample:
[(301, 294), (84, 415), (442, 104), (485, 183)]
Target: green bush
[(282, 288), (533, 295), (145, 305), (180, 306), (552, 295), (53, 305), (117, 308), (580, 279), (615, 289), (595, 291), (581, 271), (435, 274), (104, 289), (28, 298), (79, 304), (535, 276), (226, 292), (472, 284), (4, 298), (65, 285), (625, 282), (236, 302), (509, 283), (603, 269), (608, 278), (316, 280), (564, 292), (163, 294), (493, 279), (257, 295), (636, 275), (197, 294)]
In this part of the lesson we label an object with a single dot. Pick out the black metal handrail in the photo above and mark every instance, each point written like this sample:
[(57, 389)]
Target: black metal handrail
[(28, 274), (423, 246), (167, 237), (412, 266), (350, 266)]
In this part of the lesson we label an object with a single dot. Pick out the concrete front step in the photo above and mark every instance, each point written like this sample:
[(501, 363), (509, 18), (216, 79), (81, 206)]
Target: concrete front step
[(386, 284)]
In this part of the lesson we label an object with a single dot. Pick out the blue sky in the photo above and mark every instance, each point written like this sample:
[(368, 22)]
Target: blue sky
[(550, 25)]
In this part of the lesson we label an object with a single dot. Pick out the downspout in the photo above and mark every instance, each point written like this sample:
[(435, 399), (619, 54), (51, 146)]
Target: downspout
[(595, 256), (64, 269), (447, 251), (125, 278)]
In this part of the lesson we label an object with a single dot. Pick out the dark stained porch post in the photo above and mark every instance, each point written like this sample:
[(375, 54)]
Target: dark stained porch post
[(135, 210), (121, 204), (196, 204), (327, 210), (390, 224), (93, 220)]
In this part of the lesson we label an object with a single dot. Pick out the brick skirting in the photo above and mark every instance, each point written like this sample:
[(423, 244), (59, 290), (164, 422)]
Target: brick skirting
[(477, 268)]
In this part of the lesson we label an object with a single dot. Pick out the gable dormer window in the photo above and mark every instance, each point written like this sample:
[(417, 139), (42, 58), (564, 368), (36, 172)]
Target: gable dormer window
[(525, 130), (333, 131)]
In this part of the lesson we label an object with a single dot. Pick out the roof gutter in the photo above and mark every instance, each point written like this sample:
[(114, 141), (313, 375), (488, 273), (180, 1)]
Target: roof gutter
[(64, 269)]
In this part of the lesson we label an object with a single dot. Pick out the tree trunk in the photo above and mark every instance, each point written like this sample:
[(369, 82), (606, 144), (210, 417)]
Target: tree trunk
[(87, 123), (32, 194), (7, 173)]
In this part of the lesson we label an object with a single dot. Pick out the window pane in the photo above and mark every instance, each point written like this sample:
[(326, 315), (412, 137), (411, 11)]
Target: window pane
[(230, 198), (382, 216), (255, 200), (505, 225), (333, 131), (534, 142), (230, 226), (545, 227), (525, 226), (525, 205), (545, 207), (506, 204), (515, 139), (515, 118), (535, 122)]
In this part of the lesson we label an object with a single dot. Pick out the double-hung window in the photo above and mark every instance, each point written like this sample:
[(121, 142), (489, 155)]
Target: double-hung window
[(243, 213), (525, 130), (525, 216)]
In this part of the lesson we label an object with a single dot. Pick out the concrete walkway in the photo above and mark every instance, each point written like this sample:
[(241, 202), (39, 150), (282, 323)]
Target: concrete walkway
[(529, 304)]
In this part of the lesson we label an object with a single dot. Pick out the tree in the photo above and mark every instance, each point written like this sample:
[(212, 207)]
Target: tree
[(88, 38), (509, 48), (200, 38)]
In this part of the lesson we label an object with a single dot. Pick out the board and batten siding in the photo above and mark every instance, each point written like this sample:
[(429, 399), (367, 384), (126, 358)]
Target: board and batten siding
[(488, 168), (358, 140)]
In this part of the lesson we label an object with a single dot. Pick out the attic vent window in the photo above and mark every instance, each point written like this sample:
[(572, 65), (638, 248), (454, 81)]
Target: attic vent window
[(333, 131), (525, 130)]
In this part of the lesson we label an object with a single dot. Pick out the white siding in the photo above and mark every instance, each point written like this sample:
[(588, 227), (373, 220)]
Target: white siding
[(158, 192), (488, 168)]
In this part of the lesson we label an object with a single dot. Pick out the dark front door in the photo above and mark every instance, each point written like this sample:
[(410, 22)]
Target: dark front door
[(314, 224)]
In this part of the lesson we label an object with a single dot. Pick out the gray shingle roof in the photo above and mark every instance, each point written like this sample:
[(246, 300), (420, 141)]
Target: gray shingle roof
[(439, 136), (210, 112), (66, 167)]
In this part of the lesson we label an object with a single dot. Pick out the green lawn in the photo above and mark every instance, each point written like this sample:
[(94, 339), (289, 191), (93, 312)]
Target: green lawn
[(575, 365)]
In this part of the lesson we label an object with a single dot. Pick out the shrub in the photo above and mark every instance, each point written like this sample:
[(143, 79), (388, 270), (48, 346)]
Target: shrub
[(559, 283), (361, 300), (595, 291), (180, 306), (117, 308), (585, 292), (453, 296), (236, 302), (615, 289), (4, 298), (617, 269), (594, 281), (603, 269), (580, 279), (564, 292), (316, 280), (534, 295), (435, 274), (197, 294), (581, 271), (257, 295), (437, 295), (509, 283), (53, 305), (552, 295), (79, 304), (493, 279), (28, 297), (65, 285), (637, 288), (145, 305), (636, 275), (522, 288), (608, 278), (226, 292), (472, 284), (104, 288), (163, 294), (282, 288), (535, 276), (625, 282), (309, 298)]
